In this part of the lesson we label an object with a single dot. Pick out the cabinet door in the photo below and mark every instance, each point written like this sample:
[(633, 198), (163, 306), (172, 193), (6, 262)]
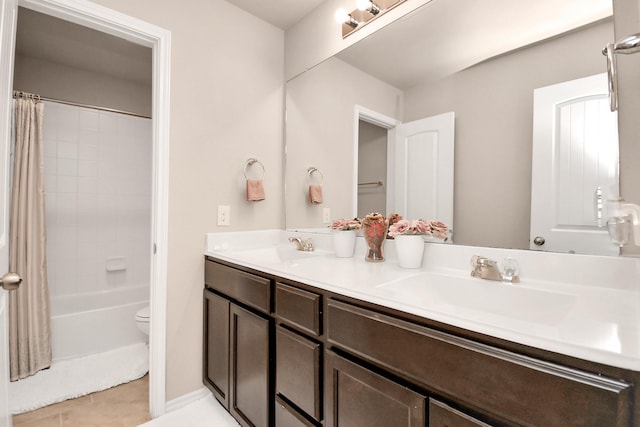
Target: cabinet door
[(249, 368), (442, 415), (216, 346), (358, 397), (298, 371)]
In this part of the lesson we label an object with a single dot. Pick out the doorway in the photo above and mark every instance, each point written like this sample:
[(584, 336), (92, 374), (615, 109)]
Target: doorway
[(158, 40)]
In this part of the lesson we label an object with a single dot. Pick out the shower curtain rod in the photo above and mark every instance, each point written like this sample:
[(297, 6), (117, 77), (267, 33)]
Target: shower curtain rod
[(20, 94)]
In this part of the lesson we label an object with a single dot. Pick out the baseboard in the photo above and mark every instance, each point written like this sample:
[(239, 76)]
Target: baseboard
[(185, 399)]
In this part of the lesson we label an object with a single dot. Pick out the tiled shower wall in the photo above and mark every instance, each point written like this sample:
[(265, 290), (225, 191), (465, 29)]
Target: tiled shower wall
[(98, 169)]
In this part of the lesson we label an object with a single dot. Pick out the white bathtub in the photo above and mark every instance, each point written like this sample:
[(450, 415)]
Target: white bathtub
[(91, 323)]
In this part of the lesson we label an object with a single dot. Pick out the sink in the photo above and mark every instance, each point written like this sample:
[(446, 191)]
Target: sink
[(276, 255), (459, 294)]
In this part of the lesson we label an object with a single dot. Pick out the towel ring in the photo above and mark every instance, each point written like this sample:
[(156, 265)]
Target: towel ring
[(311, 170), (251, 162)]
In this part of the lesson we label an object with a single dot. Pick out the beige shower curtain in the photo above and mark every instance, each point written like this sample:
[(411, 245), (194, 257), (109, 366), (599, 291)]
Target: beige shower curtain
[(29, 330)]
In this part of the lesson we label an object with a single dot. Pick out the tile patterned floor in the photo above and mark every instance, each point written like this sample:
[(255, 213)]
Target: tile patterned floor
[(126, 405)]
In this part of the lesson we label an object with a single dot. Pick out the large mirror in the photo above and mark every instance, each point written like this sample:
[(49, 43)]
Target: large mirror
[(480, 61)]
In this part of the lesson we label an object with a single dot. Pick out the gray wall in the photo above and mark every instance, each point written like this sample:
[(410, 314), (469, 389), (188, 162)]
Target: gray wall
[(52, 80)]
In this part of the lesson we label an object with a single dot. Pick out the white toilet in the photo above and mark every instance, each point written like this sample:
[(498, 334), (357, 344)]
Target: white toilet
[(142, 320)]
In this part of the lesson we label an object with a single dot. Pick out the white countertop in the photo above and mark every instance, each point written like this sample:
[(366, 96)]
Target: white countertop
[(582, 306)]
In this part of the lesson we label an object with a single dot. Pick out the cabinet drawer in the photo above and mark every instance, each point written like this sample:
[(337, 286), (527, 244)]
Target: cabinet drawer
[(441, 415), (298, 307), (489, 379), (287, 416), (298, 371), (245, 287)]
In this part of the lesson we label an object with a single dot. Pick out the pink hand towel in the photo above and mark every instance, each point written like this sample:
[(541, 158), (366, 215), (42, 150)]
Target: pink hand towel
[(315, 194), (255, 190)]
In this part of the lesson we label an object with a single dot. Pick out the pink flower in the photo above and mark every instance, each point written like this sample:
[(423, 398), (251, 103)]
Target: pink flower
[(346, 224), (419, 227), (400, 227), (439, 229)]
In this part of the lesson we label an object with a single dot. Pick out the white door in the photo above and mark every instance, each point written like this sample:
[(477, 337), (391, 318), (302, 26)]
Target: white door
[(8, 19), (423, 169), (575, 154)]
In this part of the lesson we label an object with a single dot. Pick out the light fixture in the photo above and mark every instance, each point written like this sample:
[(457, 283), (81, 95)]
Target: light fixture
[(368, 6), (343, 17), (366, 11)]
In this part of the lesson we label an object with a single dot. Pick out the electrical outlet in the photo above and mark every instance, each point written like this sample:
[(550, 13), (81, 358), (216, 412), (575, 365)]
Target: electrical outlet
[(326, 215), (224, 215)]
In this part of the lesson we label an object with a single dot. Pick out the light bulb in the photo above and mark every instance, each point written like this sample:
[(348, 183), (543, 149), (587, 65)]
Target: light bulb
[(342, 16), (363, 4), (368, 5)]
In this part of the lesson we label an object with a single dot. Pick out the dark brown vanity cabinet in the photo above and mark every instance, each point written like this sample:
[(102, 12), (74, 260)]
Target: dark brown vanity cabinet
[(279, 354), (236, 348)]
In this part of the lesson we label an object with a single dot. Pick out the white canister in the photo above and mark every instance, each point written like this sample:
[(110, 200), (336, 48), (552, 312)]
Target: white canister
[(409, 249), (344, 243)]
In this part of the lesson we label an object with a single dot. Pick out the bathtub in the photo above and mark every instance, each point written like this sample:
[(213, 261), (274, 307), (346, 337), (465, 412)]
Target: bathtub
[(84, 324)]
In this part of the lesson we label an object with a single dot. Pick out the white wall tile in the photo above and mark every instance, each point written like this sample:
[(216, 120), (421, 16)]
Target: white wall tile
[(87, 168), (67, 167), (87, 185), (67, 150), (88, 151), (88, 136), (67, 184), (89, 119), (97, 184), (50, 147)]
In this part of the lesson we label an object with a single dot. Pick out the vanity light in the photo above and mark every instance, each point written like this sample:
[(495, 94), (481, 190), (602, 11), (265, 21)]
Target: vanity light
[(367, 5), (366, 11), (343, 17)]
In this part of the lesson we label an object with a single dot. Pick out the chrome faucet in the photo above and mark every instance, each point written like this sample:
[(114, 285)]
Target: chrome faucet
[(302, 244), (486, 268)]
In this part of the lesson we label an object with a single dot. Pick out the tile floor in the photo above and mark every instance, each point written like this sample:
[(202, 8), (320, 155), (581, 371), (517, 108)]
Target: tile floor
[(126, 405)]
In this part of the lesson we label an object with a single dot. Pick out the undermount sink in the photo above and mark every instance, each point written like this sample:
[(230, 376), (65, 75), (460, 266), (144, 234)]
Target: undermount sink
[(276, 254), (491, 298)]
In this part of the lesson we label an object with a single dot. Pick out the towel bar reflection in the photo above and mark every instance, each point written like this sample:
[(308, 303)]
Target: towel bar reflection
[(372, 183), (250, 162), (310, 171)]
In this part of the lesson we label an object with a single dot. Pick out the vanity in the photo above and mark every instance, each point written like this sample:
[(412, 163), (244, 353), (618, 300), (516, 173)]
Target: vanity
[(308, 339)]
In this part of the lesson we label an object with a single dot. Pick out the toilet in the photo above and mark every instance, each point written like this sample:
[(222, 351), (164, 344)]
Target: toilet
[(142, 320)]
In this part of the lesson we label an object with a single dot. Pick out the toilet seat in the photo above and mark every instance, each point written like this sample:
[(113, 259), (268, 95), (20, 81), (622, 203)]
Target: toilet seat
[(143, 314)]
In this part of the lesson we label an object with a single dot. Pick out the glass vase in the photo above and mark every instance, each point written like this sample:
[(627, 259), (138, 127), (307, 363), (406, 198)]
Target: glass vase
[(374, 228)]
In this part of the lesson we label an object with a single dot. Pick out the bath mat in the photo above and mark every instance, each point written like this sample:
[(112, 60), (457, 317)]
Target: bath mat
[(68, 379), (201, 413)]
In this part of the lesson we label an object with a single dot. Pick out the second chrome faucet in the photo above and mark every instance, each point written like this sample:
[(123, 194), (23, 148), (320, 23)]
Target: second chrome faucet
[(486, 268)]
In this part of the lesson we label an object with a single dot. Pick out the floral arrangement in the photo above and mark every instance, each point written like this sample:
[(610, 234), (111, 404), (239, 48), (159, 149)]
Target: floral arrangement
[(346, 224), (375, 225), (419, 227)]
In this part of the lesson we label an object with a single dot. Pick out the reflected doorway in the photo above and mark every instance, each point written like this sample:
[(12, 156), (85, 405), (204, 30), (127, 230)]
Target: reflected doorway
[(372, 168)]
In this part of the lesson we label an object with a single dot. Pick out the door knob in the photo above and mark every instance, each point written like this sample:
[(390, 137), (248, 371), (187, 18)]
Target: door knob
[(538, 241), (10, 281)]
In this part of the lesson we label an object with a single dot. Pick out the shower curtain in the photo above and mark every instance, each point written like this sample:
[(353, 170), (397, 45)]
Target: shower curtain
[(29, 330)]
